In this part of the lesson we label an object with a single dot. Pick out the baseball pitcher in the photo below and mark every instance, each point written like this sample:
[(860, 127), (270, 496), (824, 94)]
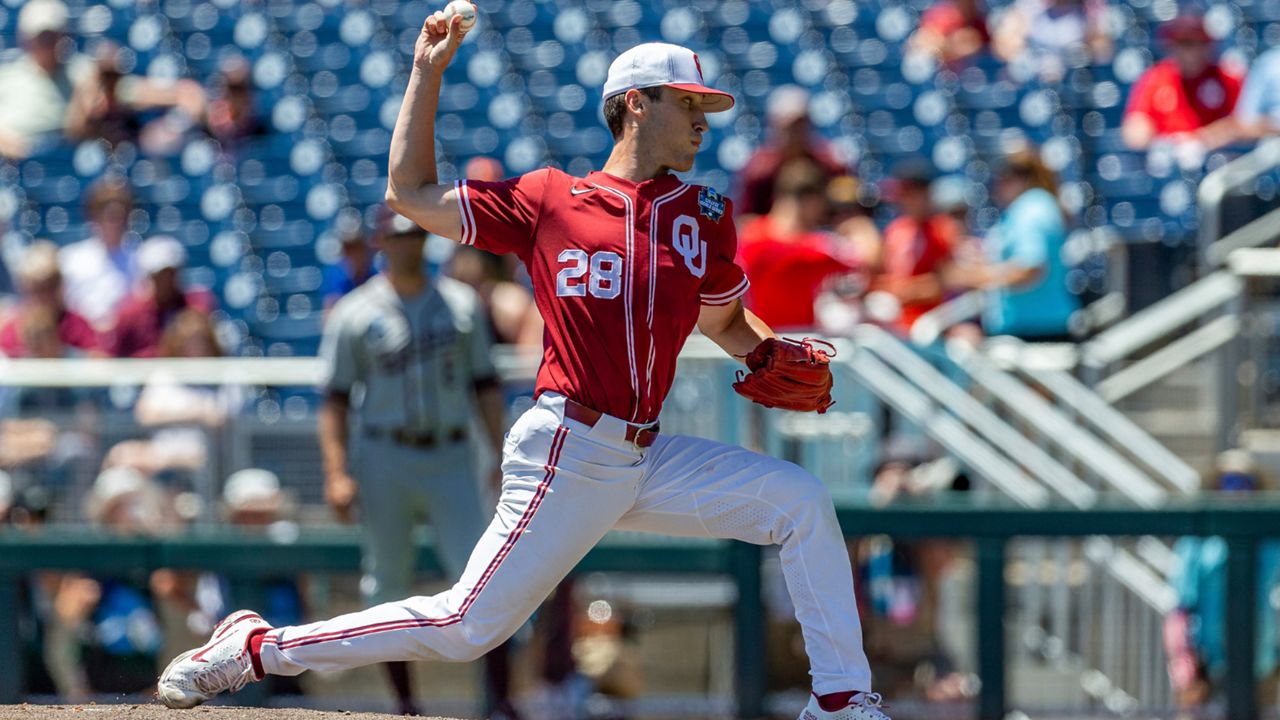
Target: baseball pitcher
[(625, 262)]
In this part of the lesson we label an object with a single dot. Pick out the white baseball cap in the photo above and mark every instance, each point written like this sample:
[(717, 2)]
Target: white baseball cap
[(252, 488), (40, 16), (111, 485), (160, 253), (654, 64)]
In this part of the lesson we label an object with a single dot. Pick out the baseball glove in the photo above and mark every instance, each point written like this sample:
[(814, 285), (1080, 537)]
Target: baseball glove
[(788, 374)]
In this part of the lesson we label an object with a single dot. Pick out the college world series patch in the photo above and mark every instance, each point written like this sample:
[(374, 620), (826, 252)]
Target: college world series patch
[(711, 204)]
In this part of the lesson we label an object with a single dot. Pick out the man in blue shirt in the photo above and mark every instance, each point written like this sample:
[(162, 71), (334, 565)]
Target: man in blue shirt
[(1257, 112)]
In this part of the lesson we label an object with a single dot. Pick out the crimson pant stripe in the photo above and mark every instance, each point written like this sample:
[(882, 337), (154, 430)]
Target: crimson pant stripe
[(557, 443)]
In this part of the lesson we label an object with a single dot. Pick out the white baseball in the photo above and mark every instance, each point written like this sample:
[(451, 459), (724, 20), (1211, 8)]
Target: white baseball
[(463, 8)]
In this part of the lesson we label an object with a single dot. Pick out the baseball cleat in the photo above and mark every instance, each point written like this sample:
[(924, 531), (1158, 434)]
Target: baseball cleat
[(220, 665), (865, 706)]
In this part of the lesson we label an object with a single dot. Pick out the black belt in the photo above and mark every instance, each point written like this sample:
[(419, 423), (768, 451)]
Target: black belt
[(415, 440)]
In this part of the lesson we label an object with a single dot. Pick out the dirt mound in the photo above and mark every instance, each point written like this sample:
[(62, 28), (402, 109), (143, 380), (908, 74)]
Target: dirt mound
[(159, 712)]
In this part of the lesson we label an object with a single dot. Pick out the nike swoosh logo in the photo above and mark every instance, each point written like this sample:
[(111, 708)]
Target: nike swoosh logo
[(585, 190), (221, 634), (199, 657)]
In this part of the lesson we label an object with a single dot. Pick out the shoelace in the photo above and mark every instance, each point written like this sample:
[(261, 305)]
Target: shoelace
[(875, 703), (217, 677)]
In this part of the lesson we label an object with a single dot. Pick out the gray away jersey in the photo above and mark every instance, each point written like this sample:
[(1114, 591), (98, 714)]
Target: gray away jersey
[(415, 360)]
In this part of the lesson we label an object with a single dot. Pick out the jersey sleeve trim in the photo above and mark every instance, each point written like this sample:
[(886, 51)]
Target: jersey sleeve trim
[(465, 212), (725, 298)]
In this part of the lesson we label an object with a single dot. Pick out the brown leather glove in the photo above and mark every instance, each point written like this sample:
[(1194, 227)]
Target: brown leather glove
[(788, 374)]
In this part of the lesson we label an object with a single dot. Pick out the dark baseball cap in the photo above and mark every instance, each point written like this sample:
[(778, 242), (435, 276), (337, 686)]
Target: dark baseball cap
[(1185, 28)]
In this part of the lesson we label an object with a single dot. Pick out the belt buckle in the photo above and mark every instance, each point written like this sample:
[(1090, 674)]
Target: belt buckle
[(635, 438)]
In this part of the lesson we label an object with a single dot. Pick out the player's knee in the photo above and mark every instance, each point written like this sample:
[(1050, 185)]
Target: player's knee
[(479, 641), (469, 653)]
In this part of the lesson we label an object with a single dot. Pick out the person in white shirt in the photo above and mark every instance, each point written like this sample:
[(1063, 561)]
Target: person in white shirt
[(98, 273), (36, 85)]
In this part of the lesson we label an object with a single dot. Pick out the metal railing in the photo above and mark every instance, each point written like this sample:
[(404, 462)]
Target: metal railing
[(1037, 450), (1214, 189), (1013, 441), (248, 560)]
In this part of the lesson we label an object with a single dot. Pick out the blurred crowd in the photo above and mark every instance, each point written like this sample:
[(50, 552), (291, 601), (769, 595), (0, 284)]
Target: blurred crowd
[(825, 248)]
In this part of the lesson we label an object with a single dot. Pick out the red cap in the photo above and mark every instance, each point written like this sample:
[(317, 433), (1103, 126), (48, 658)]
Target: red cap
[(1185, 28)]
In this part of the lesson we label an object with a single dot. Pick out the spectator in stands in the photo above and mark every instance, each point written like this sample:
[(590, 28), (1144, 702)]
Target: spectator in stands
[(352, 269), (98, 273), (951, 31), (513, 317), (786, 252), (38, 334), (1053, 35), (791, 137), (1185, 99), (36, 87), (1024, 274), (1195, 633), (918, 248), (178, 415), (189, 603), (1257, 112), (26, 441), (838, 308), (851, 219), (40, 283), (485, 169), (233, 114), (103, 635), (919, 592), (253, 500), (145, 317), (109, 104)]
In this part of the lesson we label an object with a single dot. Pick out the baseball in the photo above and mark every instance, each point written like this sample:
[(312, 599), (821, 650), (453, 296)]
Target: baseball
[(463, 8)]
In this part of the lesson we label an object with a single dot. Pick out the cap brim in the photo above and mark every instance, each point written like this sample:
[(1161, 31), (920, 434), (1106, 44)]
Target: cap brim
[(712, 100)]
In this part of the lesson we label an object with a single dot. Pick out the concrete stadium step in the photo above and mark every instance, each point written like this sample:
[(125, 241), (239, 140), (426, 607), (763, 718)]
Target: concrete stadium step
[(1037, 684), (1179, 411)]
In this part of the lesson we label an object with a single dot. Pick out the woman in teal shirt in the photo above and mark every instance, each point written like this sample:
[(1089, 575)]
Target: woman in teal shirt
[(1025, 277)]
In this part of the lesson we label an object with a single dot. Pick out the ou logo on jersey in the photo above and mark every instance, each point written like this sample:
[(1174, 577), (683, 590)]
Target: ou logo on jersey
[(684, 239)]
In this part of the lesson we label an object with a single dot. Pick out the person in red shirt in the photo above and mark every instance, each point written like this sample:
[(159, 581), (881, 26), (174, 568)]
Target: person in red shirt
[(145, 316), (918, 246), (952, 31), (40, 283), (625, 262), (791, 137), (1186, 98), (786, 254)]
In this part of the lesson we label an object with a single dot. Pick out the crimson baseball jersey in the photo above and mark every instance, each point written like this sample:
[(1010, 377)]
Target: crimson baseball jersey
[(1177, 105), (620, 271)]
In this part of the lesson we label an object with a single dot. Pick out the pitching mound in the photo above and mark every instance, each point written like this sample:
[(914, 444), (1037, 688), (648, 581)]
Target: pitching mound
[(159, 712)]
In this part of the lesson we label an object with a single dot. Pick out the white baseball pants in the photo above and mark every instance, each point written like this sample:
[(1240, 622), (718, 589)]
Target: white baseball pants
[(566, 484)]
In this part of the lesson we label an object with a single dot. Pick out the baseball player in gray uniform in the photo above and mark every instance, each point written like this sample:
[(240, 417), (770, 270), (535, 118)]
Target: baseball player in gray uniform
[(410, 355)]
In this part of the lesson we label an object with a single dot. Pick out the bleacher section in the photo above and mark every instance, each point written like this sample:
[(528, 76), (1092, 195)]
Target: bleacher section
[(258, 222)]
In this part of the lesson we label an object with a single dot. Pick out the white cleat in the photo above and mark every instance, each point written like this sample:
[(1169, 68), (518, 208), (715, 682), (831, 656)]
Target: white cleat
[(220, 665), (866, 706)]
